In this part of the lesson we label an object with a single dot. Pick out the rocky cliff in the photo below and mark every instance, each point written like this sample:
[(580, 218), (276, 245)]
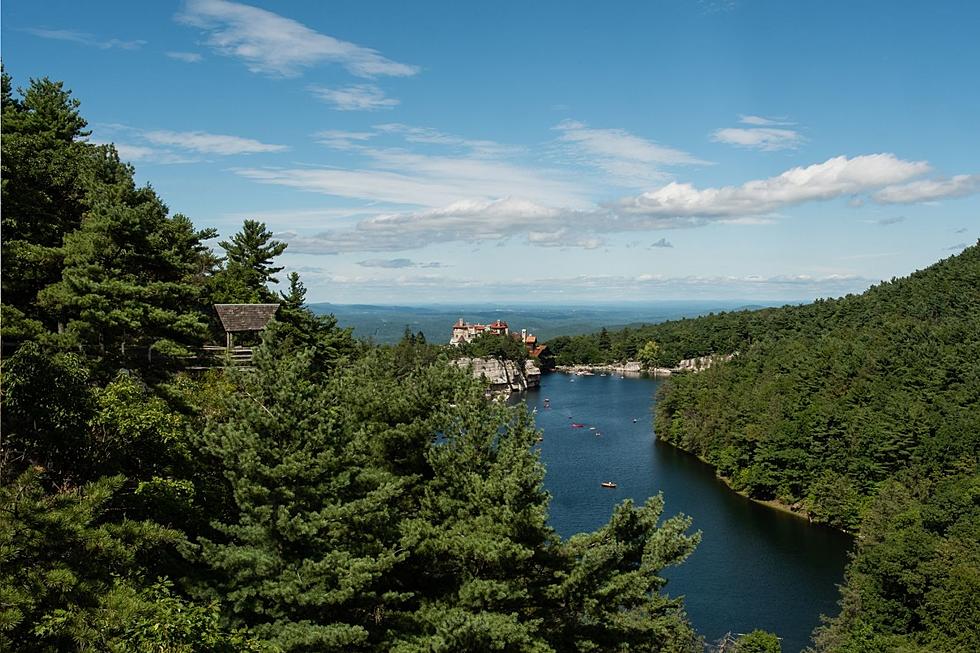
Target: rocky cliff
[(502, 375)]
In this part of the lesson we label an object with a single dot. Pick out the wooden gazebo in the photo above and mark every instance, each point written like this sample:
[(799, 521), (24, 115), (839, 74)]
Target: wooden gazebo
[(244, 318)]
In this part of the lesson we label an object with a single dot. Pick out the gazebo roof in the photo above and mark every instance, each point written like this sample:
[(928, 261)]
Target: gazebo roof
[(245, 317)]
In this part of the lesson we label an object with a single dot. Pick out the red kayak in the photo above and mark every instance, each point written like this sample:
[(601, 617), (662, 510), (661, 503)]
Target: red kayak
[(576, 425)]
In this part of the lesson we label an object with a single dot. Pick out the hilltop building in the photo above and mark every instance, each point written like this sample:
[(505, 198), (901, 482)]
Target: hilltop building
[(466, 332)]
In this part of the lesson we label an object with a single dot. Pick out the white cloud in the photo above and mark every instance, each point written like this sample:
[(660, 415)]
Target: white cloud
[(760, 121), (929, 190), (84, 38), (272, 44), (397, 263), (359, 97), (550, 221), (205, 143), (475, 220), (768, 139), (433, 136), (340, 139), (836, 177), (186, 57), (466, 220), (627, 159), (143, 154), (402, 177)]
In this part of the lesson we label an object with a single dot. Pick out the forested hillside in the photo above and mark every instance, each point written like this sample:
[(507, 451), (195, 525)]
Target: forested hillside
[(864, 412), (333, 497)]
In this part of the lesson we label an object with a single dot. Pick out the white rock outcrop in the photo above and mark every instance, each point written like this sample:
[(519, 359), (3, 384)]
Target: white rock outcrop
[(502, 375)]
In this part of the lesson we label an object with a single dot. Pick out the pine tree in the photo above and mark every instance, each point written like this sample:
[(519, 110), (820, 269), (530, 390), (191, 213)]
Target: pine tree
[(45, 163), (378, 512), (248, 266), (133, 277)]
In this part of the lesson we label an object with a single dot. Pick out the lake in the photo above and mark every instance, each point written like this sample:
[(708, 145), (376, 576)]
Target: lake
[(756, 567)]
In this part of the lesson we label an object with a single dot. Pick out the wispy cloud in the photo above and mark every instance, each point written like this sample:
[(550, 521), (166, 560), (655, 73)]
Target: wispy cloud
[(358, 97), (429, 135), (466, 220), (340, 139), (767, 139), (928, 190), (169, 147), (760, 121), (767, 134), (274, 45), (886, 222), (628, 160), (397, 263), (958, 246), (205, 143), (84, 38), (144, 154), (836, 177), (961, 230), (398, 175), (186, 57), (663, 242)]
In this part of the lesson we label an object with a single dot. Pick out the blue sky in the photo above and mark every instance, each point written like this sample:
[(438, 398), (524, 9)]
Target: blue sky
[(542, 152)]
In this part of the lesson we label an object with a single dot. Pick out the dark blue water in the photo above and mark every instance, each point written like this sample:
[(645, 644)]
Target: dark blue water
[(756, 567)]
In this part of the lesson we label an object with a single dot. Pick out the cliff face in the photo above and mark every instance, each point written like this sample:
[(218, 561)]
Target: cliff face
[(502, 375)]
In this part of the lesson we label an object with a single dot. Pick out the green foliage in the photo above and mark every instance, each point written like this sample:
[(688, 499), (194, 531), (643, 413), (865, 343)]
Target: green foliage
[(863, 412), (47, 404), (758, 641), (609, 597), (650, 355), (375, 511), (489, 345), (130, 280), (90, 261), (44, 160), (412, 353), (248, 266), (64, 559), (916, 574)]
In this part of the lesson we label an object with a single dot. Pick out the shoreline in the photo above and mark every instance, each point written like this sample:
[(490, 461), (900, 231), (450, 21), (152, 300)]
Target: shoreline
[(697, 364), (774, 504), (635, 371), (632, 368)]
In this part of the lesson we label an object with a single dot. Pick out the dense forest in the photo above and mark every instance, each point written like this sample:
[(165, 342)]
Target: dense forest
[(862, 412), (331, 496)]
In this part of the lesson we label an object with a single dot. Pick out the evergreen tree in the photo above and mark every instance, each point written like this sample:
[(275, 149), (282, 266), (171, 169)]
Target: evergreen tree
[(248, 266), (295, 296), (133, 277), (373, 512), (44, 169)]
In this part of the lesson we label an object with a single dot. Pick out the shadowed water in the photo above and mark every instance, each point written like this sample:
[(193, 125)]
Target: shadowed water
[(756, 567)]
